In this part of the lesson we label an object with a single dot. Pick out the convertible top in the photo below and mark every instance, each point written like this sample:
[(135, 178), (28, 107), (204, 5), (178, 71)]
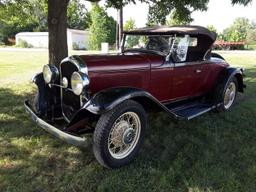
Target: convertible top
[(191, 30)]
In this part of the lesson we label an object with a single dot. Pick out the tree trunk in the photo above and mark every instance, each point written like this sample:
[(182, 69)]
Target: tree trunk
[(57, 25)]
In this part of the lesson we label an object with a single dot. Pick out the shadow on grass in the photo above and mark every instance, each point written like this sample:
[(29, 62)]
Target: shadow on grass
[(212, 152)]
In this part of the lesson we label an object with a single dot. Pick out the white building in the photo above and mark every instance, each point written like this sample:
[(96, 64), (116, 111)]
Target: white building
[(76, 39)]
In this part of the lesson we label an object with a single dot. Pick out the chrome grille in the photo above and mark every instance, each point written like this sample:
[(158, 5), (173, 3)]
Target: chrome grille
[(70, 102)]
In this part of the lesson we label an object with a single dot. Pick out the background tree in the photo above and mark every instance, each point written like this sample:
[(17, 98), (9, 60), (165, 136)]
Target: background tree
[(180, 11), (238, 30), (130, 24), (27, 15), (78, 15), (57, 26), (212, 28), (174, 19), (57, 21), (31, 15), (102, 29), (251, 37), (131, 41)]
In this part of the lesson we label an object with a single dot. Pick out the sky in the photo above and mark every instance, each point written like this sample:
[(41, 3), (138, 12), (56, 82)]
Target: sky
[(220, 14)]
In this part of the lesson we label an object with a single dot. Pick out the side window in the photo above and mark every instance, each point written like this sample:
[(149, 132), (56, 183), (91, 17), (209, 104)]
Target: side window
[(193, 42), (180, 48)]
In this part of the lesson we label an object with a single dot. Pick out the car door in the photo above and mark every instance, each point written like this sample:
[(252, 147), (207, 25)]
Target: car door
[(186, 80), (186, 76)]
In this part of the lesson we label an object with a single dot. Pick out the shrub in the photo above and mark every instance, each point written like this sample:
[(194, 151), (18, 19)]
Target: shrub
[(24, 44), (76, 47)]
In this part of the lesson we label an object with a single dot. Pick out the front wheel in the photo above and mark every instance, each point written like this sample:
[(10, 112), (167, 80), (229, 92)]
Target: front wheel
[(119, 134)]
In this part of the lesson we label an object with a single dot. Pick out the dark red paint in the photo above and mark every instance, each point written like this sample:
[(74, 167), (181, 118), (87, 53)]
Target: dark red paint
[(165, 81)]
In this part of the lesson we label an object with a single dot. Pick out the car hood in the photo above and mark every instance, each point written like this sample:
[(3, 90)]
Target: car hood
[(118, 61)]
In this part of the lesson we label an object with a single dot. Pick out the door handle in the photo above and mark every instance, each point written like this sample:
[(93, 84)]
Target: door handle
[(198, 71)]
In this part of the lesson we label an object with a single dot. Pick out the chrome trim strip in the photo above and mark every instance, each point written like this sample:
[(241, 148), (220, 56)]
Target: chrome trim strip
[(69, 138), (190, 63), (179, 64), (200, 113), (204, 111)]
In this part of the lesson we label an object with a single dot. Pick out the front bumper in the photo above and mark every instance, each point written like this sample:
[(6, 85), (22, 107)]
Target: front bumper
[(67, 137)]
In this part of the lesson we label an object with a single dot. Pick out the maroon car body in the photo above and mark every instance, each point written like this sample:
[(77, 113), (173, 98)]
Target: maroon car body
[(157, 68), (146, 71)]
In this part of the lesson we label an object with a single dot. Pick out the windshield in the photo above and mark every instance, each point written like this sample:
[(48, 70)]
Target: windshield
[(156, 43)]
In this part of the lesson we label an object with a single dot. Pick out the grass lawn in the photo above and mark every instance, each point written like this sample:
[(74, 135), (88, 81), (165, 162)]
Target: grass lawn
[(215, 152)]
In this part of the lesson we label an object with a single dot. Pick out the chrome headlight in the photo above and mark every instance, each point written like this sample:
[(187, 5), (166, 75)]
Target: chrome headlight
[(50, 73), (79, 82)]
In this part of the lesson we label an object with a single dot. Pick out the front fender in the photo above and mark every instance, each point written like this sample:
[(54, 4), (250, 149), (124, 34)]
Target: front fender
[(48, 99), (107, 99), (43, 94)]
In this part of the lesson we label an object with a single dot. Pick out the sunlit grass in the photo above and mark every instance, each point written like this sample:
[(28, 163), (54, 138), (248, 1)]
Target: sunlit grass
[(215, 152)]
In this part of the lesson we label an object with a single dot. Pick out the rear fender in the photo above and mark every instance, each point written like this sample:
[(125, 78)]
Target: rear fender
[(238, 74), (222, 82)]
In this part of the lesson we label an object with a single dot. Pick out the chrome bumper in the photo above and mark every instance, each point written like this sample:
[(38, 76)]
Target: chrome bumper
[(69, 138)]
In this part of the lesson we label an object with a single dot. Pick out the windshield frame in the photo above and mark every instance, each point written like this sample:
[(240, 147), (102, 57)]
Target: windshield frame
[(123, 50)]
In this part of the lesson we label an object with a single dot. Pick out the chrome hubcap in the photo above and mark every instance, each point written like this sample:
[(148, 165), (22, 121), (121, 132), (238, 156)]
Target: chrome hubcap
[(128, 136), (124, 135), (230, 95)]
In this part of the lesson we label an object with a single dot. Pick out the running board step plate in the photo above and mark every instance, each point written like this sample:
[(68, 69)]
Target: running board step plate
[(193, 110)]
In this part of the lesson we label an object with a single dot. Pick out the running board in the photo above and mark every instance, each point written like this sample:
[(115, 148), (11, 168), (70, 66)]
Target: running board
[(192, 110)]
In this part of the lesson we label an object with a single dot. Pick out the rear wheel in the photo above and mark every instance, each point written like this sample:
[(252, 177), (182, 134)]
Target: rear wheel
[(228, 95), (119, 134)]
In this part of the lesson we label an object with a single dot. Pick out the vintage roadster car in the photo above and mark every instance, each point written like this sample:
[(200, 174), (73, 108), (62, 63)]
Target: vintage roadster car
[(108, 96)]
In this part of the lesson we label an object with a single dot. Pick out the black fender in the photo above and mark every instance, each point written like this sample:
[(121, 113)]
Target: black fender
[(238, 73), (43, 92), (107, 99), (216, 55), (223, 79), (48, 99)]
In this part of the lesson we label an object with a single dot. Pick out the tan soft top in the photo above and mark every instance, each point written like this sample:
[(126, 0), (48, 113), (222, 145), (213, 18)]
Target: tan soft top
[(191, 30)]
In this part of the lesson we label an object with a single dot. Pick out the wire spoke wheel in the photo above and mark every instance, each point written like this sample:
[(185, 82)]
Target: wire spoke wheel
[(124, 135), (229, 96), (119, 134)]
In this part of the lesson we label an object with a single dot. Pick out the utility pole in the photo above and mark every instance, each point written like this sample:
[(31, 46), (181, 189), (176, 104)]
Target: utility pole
[(121, 18), (119, 27), (117, 30)]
